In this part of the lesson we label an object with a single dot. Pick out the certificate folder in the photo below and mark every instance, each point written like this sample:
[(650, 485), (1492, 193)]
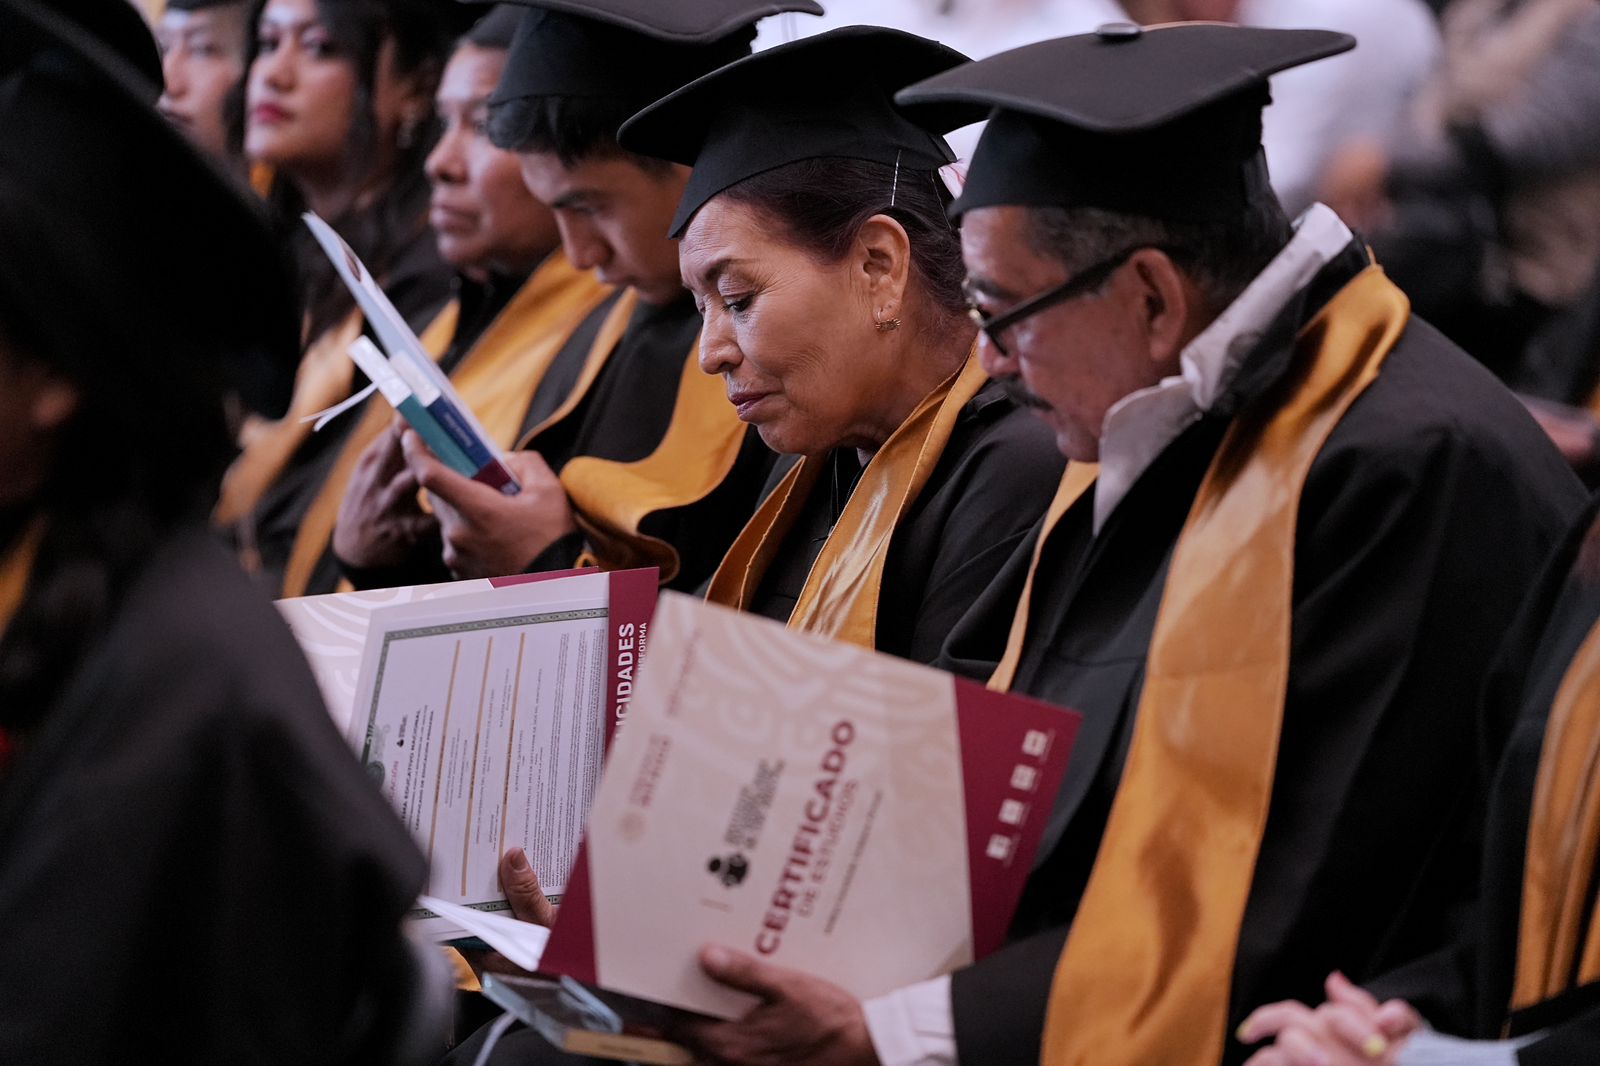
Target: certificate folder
[(814, 804)]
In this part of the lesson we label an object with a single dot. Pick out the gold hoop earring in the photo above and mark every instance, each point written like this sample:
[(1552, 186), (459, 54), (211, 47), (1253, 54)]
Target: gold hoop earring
[(886, 327)]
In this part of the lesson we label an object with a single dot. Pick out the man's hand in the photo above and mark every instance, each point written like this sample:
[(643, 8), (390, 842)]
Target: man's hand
[(528, 904), (801, 1019), (522, 889), (380, 521), (1350, 1029), (487, 534)]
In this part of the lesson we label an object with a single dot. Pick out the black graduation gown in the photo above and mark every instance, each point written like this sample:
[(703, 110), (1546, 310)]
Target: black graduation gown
[(1422, 524), (1465, 987), (995, 479), (194, 868)]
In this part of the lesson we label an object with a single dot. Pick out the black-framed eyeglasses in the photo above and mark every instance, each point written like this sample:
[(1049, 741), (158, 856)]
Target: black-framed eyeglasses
[(1084, 281)]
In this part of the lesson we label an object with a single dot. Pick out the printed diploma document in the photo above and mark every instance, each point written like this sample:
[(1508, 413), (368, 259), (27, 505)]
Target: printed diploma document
[(483, 714), (818, 805)]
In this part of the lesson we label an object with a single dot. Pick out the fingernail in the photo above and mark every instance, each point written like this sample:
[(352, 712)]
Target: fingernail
[(1242, 1034), (519, 860), (714, 958), (1374, 1046)]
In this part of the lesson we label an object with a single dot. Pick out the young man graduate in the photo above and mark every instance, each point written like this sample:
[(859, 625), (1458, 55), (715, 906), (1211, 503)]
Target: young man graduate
[(1272, 600), (644, 462)]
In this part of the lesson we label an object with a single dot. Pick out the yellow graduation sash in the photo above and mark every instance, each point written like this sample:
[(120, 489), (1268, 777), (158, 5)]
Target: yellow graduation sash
[(323, 379), (840, 596), (611, 500), (605, 342), (1146, 971), (496, 380), (1555, 950), (16, 569)]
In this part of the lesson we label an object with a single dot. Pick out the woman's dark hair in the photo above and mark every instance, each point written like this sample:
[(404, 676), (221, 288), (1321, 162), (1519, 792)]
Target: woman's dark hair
[(823, 203), (424, 33)]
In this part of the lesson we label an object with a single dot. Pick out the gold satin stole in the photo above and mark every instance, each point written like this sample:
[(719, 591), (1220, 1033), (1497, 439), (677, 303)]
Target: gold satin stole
[(1146, 971), (496, 379), (324, 378), (16, 570), (841, 593), (612, 500), (1558, 938)]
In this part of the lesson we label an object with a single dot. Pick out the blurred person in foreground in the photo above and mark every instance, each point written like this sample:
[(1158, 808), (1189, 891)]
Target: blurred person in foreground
[(193, 866)]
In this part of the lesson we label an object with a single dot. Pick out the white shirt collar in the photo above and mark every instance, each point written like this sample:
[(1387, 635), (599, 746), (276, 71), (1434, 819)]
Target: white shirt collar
[(1141, 425)]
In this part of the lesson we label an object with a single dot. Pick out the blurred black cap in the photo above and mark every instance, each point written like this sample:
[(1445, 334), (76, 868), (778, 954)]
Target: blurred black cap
[(130, 260)]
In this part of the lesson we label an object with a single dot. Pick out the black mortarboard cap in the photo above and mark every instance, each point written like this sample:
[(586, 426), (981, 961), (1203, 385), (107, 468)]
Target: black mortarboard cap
[(1163, 121), (128, 257), (634, 51), (787, 104)]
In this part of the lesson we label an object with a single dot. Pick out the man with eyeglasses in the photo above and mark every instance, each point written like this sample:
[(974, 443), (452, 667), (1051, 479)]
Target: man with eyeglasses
[(1275, 594), (1294, 524)]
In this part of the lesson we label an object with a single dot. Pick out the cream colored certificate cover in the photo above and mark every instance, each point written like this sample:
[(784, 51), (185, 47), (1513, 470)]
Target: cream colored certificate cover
[(818, 805)]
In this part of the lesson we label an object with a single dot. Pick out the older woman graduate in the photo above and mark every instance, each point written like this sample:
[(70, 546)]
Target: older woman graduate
[(193, 867), (815, 241)]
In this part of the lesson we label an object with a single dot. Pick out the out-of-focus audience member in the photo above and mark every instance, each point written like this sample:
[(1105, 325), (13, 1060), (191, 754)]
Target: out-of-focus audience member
[(339, 103), (1485, 204), (1523, 962), (193, 867), (202, 58), (1315, 110)]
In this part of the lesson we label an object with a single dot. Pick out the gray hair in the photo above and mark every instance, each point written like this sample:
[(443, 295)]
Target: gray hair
[(1221, 258)]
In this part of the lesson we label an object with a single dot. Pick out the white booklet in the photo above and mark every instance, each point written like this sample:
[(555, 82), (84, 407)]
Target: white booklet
[(818, 805), (483, 710), (439, 414)]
